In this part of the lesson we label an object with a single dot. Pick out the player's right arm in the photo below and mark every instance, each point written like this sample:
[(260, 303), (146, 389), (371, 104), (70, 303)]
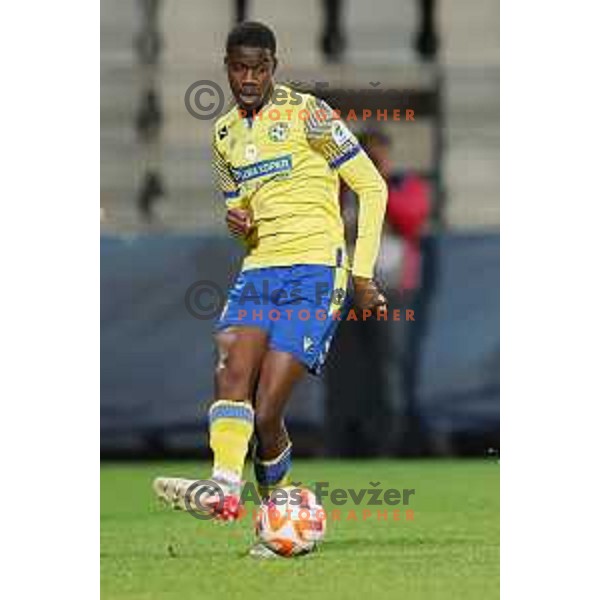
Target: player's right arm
[(239, 216)]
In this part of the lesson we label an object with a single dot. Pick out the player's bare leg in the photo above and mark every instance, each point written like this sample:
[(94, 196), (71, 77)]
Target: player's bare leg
[(231, 419), (273, 452), (279, 373)]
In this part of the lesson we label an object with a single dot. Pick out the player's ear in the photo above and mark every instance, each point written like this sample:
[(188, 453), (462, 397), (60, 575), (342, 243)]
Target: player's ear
[(275, 63)]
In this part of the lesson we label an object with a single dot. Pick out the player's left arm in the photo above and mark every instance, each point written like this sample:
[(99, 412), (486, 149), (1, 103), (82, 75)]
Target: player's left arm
[(364, 179), (331, 137)]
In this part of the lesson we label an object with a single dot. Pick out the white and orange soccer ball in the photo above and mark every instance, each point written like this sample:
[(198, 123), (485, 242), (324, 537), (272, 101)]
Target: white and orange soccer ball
[(292, 523)]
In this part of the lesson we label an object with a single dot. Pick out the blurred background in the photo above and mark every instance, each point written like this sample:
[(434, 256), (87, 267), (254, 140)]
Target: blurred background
[(428, 387)]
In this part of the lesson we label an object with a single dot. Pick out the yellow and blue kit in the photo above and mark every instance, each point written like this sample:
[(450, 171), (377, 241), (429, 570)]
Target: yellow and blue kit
[(284, 164)]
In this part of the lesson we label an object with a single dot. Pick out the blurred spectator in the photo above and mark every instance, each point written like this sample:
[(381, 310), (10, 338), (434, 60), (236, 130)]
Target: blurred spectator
[(366, 404), (407, 266), (407, 212)]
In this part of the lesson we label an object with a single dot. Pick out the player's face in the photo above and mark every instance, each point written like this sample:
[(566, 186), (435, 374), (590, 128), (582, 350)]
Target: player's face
[(250, 72)]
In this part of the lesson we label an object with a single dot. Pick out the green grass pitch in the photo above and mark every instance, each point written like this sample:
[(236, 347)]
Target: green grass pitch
[(449, 550)]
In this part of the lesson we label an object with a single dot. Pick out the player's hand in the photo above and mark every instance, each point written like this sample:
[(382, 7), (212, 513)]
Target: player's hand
[(239, 221), (367, 295)]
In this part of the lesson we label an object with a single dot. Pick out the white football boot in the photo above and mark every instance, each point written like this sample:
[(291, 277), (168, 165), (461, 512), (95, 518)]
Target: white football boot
[(197, 496), (260, 550), (172, 490)]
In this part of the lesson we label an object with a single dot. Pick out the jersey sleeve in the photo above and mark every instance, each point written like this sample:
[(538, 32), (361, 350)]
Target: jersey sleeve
[(224, 179), (227, 185), (327, 134)]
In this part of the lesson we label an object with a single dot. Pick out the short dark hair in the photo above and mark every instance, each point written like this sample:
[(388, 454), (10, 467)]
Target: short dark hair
[(253, 34)]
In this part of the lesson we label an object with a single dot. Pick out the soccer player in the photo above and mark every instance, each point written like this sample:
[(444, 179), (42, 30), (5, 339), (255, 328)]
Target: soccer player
[(278, 156)]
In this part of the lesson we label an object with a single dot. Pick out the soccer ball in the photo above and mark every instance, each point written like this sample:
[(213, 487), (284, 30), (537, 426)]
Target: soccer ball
[(291, 522)]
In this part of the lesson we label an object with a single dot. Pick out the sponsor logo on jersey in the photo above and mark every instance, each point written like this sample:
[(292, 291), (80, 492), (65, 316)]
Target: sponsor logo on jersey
[(340, 133), (280, 164)]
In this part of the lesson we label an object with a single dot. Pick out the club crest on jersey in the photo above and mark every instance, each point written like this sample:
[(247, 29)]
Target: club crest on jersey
[(223, 132), (278, 132), (251, 152)]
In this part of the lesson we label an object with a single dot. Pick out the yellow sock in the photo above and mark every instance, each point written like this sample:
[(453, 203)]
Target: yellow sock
[(230, 428)]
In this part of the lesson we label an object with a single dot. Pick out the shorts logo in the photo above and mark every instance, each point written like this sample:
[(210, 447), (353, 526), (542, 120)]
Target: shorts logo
[(281, 164), (279, 132), (307, 344)]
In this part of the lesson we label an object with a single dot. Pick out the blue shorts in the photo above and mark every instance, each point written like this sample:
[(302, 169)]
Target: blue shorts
[(298, 306)]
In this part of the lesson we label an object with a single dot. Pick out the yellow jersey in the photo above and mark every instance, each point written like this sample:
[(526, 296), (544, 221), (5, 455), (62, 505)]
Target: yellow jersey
[(284, 163)]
